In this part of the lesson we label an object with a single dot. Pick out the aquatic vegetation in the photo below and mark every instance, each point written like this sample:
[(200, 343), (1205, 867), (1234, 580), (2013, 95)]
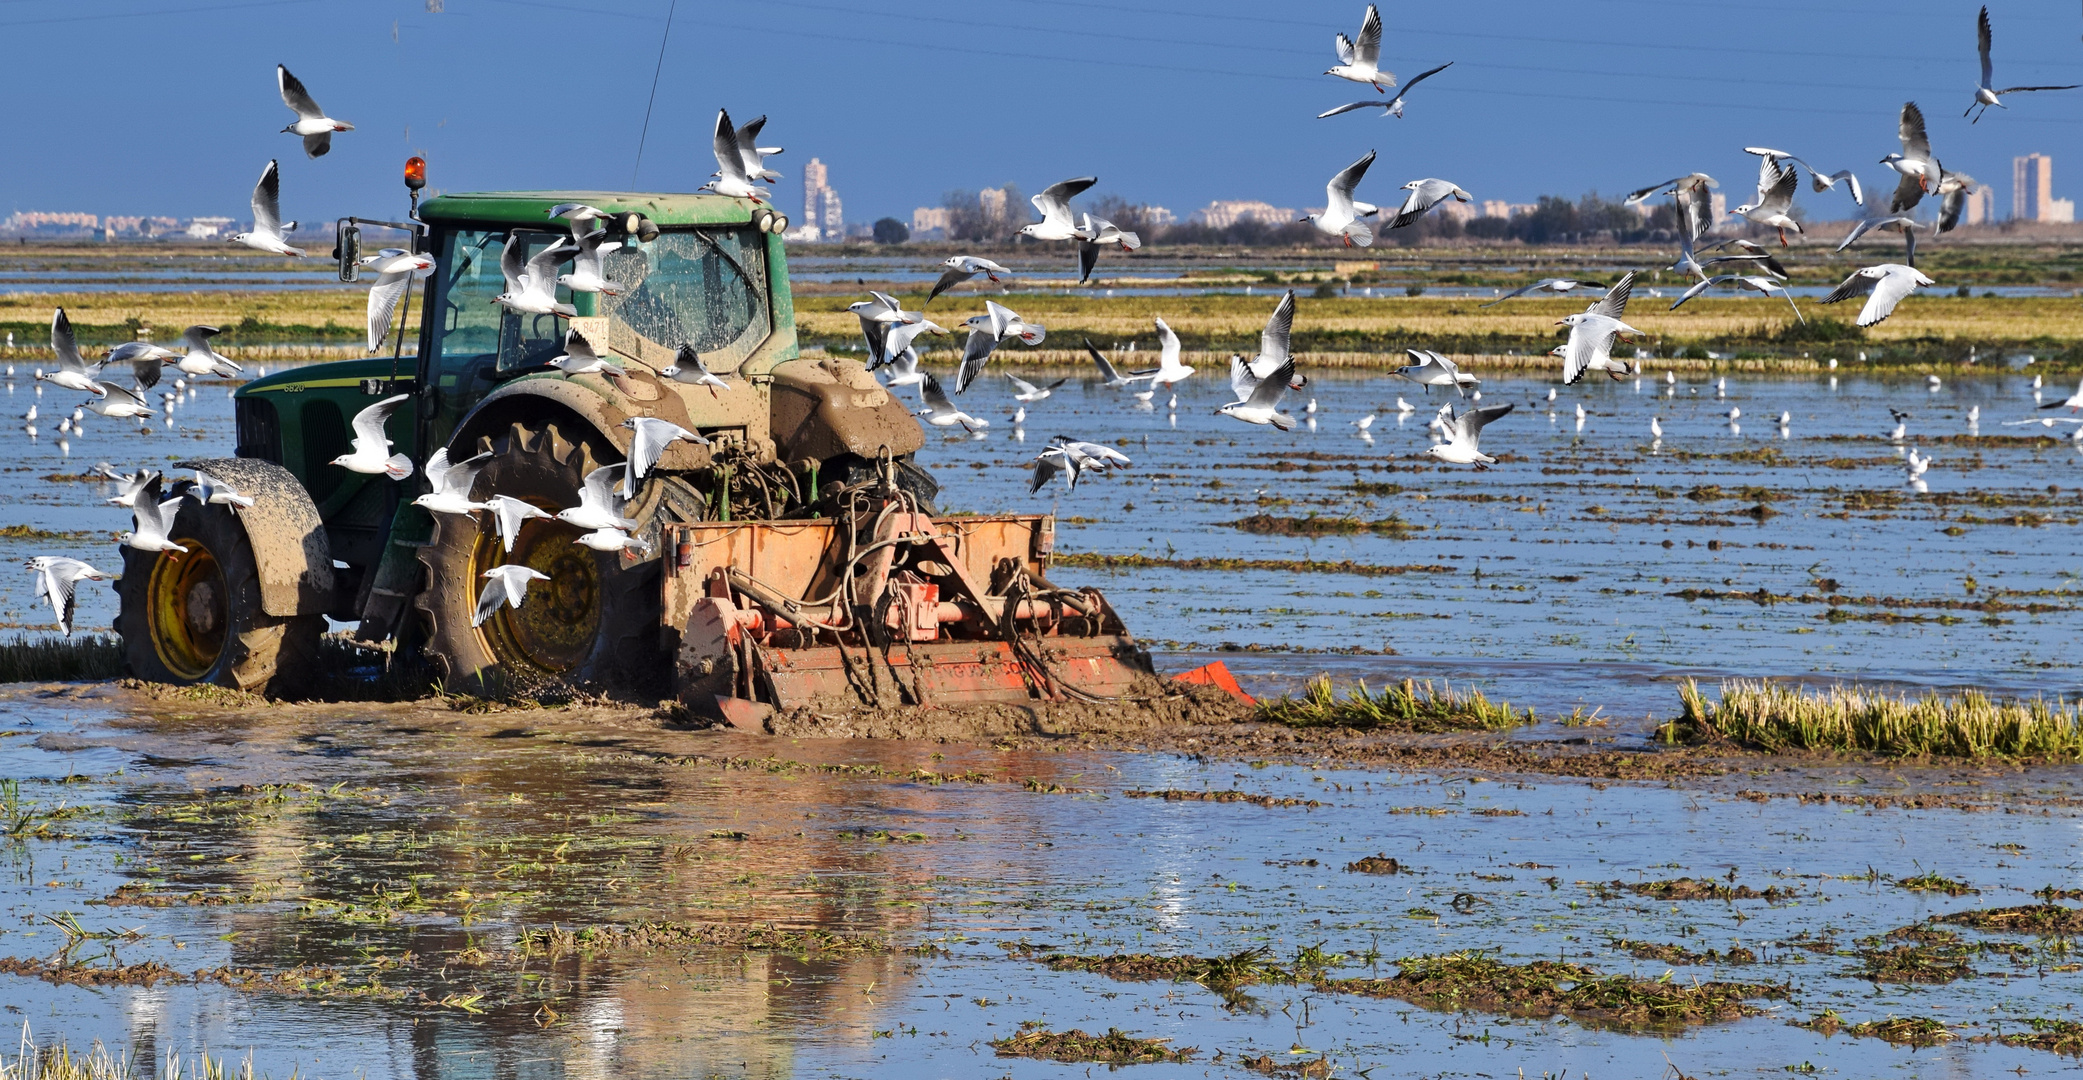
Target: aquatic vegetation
[(1902, 1031), (1931, 882), (558, 941), (1116, 1047), (1922, 963), (2040, 920), (1176, 795), (1679, 954), (1092, 561), (1374, 864), (1406, 706), (1314, 526), (59, 1061), (1686, 888), (1776, 719), (1475, 981), (2059, 1036), (54, 659)]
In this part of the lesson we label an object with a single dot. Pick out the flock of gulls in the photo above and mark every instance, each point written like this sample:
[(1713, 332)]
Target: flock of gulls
[(1259, 383)]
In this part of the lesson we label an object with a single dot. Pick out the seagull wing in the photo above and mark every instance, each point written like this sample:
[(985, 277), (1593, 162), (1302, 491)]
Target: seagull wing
[(1167, 348), (65, 345), (1367, 50), (1023, 385), (1858, 284), (747, 136), (935, 398), (368, 424), (1982, 45), (975, 354), (1088, 257), (1354, 106), (948, 281), (1106, 370), (1423, 75), (1339, 191), (542, 266), (1046, 466), (1891, 289), (1272, 341), (1520, 291), (383, 301), (1914, 144), (728, 158), (1242, 383), (1577, 353), (1054, 200), (1908, 193), (513, 262), (1476, 419), (267, 201), (299, 100), (1266, 394), (1344, 46), (1614, 304), (1696, 290)]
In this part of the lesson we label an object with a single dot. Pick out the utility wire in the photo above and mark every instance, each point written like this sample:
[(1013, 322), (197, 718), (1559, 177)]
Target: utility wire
[(655, 72)]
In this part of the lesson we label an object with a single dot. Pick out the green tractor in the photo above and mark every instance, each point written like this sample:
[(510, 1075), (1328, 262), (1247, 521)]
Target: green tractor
[(796, 560)]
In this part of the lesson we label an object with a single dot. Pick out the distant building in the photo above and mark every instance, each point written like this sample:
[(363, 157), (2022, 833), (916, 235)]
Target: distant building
[(1452, 210), (2032, 191), (992, 201), (47, 223), (1496, 208), (1981, 206), (1158, 215), (931, 222), (207, 228), (1224, 213), (824, 216), (1718, 205)]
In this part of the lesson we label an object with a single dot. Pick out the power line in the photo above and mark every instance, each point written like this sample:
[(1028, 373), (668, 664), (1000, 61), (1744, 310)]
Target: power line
[(653, 100), (148, 14)]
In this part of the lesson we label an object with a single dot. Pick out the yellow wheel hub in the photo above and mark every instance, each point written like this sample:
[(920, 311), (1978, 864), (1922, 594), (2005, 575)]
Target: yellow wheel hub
[(553, 629), (188, 609)]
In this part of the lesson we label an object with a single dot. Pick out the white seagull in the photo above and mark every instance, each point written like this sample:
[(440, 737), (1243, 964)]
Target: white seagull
[(1985, 94), (1556, 285), (614, 540), (508, 513), (210, 491), (153, 517), (451, 483), (1360, 61), (72, 372), (133, 485), (1003, 322), (1262, 404), (940, 412), (1389, 108), (1027, 393), (1593, 332), (1054, 204), (531, 282), (1432, 370), (1424, 195), (732, 181), (754, 156), (1775, 198), (1341, 215), (2072, 403), (371, 444), (589, 268), (600, 507), (395, 270), (1757, 284), (1460, 433), (312, 123), (505, 586), (1915, 160), (1109, 376), (270, 233), (56, 578), (961, 268), (1884, 286), (1817, 179), (580, 359), (652, 437), (687, 367), (120, 403), (200, 359), (1170, 372)]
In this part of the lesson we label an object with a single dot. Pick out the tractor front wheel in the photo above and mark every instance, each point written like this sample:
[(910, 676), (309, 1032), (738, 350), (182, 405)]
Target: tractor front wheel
[(595, 621), (195, 616)]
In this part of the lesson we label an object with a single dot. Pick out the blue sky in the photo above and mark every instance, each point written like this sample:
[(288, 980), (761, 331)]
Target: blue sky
[(169, 106)]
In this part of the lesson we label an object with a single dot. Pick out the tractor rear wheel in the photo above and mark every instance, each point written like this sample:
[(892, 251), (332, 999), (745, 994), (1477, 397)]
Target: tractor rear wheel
[(594, 622), (195, 616)]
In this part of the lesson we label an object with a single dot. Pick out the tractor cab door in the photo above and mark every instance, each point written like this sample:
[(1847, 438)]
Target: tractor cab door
[(476, 341)]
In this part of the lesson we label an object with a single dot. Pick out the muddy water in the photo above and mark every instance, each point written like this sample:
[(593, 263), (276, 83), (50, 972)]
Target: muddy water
[(383, 880)]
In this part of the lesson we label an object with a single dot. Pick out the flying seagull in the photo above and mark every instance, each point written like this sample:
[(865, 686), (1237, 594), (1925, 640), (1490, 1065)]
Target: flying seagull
[(1433, 370), (1054, 204), (1757, 284), (754, 156), (1027, 393), (1985, 95), (56, 578), (153, 517), (1109, 376), (1775, 199), (1884, 286), (395, 269), (200, 359), (687, 367), (505, 586), (531, 281), (1360, 61), (589, 266), (1915, 160), (1592, 333), (371, 442), (1341, 215), (312, 123), (731, 180), (652, 437), (1558, 286), (1817, 178), (1388, 108), (451, 483), (508, 514), (580, 359), (1755, 254), (1693, 194), (1460, 431), (1262, 404), (71, 373), (1170, 372), (1424, 195), (940, 412), (961, 268), (599, 506), (269, 231)]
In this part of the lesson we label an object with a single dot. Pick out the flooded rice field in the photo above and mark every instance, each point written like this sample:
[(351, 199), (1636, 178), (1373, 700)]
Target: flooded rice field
[(435, 890)]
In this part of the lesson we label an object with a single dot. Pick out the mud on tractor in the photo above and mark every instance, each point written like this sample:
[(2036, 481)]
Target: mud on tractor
[(796, 561)]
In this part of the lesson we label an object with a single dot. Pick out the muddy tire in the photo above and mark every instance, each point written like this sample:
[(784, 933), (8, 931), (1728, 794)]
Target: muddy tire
[(595, 623), (196, 617)]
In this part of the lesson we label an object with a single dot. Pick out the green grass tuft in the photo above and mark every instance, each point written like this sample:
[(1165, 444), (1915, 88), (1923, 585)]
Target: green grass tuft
[(55, 659), (1407, 706), (1778, 719)]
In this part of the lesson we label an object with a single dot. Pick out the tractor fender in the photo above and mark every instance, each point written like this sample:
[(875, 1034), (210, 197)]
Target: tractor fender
[(595, 404), (825, 408), (288, 536)]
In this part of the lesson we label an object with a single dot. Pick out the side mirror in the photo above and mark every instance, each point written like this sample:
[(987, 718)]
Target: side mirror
[(348, 247)]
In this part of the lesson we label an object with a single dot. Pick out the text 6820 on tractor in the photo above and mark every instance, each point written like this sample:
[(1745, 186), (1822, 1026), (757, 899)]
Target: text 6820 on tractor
[(794, 561)]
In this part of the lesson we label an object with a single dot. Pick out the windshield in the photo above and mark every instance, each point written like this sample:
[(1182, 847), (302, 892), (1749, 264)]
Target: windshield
[(706, 288)]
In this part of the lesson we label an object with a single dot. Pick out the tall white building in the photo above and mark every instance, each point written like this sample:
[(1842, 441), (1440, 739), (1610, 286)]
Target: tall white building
[(824, 216), (2032, 191)]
